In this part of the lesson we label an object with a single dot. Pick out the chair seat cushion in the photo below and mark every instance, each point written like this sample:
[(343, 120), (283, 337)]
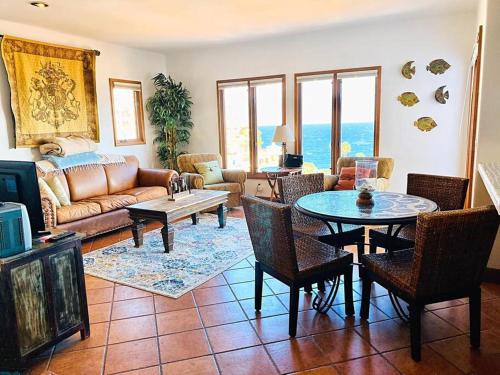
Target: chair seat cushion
[(77, 211), (314, 257), (145, 193), (393, 269), (113, 202), (232, 187)]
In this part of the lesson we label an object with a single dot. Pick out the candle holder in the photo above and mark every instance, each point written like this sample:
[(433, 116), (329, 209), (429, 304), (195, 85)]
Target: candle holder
[(365, 198), (179, 188), (366, 181)]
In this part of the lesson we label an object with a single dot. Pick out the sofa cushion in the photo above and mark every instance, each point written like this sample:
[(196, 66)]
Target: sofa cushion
[(113, 202), (77, 211), (86, 182), (232, 187), (146, 193), (122, 176), (346, 179)]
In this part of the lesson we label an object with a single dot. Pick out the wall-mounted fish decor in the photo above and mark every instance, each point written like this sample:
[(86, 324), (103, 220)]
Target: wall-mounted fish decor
[(438, 66), (441, 95), (425, 124), (408, 99), (408, 71)]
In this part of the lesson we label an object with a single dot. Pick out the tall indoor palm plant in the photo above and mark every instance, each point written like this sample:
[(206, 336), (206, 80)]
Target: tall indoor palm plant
[(169, 111)]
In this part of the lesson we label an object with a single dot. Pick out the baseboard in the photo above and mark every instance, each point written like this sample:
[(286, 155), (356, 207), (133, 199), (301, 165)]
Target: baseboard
[(492, 275)]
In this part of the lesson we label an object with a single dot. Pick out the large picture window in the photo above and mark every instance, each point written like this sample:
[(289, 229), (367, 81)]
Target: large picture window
[(249, 111), (336, 114)]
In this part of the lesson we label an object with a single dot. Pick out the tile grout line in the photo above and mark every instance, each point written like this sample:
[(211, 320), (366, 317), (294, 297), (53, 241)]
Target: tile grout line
[(212, 352), (157, 335), (251, 325), (105, 357)]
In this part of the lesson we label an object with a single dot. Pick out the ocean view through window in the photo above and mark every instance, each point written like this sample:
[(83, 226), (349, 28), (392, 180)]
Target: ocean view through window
[(337, 115)]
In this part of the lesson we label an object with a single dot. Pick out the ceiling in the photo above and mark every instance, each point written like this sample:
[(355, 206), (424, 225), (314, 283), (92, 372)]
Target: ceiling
[(163, 24)]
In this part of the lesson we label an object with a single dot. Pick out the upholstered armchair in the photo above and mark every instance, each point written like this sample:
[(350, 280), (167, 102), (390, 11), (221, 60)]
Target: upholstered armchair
[(234, 179), (384, 171)]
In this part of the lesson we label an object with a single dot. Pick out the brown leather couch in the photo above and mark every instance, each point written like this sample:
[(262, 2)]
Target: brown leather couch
[(100, 193)]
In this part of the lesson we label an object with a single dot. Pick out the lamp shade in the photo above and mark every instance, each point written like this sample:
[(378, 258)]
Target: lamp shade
[(281, 134)]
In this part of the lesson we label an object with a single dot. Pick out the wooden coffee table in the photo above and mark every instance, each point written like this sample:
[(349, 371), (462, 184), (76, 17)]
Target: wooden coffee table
[(166, 211)]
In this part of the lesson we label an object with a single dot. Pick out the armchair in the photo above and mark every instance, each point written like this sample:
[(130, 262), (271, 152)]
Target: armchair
[(234, 179), (384, 172)]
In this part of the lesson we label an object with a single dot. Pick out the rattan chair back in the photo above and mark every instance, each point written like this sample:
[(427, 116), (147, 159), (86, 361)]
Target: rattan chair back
[(291, 188), (448, 192), (270, 227), (452, 249)]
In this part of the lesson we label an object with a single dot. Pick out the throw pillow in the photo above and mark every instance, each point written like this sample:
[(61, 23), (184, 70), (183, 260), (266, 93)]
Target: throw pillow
[(346, 179), (58, 189), (211, 172), (47, 191)]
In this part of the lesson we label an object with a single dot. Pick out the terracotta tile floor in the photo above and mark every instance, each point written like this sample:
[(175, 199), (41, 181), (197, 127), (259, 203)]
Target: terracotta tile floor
[(215, 330)]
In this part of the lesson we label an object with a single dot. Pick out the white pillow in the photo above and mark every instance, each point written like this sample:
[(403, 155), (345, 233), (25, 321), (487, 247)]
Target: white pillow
[(46, 190), (59, 191)]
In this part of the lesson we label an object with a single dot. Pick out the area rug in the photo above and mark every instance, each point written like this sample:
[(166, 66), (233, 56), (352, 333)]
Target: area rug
[(200, 252)]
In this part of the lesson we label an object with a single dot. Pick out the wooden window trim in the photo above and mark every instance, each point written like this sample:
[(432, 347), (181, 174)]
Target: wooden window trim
[(253, 173), (141, 140), (336, 105)]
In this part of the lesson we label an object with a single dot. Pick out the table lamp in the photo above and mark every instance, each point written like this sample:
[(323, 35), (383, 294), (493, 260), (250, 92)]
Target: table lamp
[(281, 134)]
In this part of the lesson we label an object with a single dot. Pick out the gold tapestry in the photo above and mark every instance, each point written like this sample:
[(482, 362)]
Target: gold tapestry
[(52, 90)]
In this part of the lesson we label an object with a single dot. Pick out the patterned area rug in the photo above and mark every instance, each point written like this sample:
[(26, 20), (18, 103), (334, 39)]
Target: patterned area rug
[(200, 252)]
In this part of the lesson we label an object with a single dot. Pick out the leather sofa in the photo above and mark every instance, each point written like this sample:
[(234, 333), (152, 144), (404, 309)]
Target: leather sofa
[(100, 193), (384, 171), (234, 179)]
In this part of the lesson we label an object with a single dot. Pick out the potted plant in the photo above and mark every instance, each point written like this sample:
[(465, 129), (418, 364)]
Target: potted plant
[(169, 111)]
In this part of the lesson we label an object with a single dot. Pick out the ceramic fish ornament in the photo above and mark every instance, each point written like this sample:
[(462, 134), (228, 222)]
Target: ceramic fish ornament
[(408, 99), (425, 124), (408, 71), (441, 95), (438, 66)]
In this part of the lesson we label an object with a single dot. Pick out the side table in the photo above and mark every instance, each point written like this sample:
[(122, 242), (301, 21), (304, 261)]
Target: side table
[(272, 174)]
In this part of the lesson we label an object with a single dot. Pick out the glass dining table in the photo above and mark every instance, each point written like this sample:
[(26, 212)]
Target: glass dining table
[(334, 208)]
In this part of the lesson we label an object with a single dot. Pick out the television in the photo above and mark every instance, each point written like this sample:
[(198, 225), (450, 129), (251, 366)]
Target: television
[(19, 183)]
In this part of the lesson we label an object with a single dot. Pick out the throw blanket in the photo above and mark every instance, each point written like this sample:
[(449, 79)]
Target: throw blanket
[(66, 146), (56, 165)]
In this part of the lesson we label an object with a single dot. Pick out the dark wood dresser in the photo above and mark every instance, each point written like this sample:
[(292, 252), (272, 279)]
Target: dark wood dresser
[(42, 300)]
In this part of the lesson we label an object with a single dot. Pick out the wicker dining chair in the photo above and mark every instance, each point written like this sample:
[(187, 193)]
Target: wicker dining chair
[(450, 256), (294, 261), (291, 188), (449, 194)]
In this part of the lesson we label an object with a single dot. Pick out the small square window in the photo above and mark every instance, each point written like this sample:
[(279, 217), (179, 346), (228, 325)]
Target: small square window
[(127, 111)]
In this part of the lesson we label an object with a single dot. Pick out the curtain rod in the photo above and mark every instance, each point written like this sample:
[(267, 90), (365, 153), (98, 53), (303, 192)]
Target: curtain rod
[(97, 52)]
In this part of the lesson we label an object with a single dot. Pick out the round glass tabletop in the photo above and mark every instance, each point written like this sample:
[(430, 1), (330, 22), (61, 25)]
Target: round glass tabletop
[(340, 207)]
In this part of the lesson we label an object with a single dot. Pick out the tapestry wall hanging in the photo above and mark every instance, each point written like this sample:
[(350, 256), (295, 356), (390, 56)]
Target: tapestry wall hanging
[(52, 90)]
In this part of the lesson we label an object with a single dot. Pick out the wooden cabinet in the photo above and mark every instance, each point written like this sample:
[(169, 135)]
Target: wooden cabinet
[(42, 300)]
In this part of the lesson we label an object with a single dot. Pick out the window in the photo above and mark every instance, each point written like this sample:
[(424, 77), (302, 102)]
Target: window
[(127, 111), (249, 111), (337, 114)]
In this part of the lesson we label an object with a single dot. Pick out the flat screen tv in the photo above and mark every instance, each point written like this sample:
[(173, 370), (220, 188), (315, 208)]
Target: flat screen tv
[(19, 183)]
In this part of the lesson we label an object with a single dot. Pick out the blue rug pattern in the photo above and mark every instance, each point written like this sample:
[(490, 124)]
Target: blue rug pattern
[(200, 252)]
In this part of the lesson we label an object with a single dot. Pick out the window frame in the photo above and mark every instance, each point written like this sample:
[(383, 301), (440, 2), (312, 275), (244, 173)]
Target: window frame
[(336, 109), (253, 173), (141, 135)]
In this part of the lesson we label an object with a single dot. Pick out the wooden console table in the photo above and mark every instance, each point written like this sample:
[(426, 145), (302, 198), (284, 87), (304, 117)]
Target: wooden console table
[(43, 300)]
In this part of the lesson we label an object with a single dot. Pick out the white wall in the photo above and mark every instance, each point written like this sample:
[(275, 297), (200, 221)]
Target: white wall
[(488, 135), (114, 62), (389, 44)]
